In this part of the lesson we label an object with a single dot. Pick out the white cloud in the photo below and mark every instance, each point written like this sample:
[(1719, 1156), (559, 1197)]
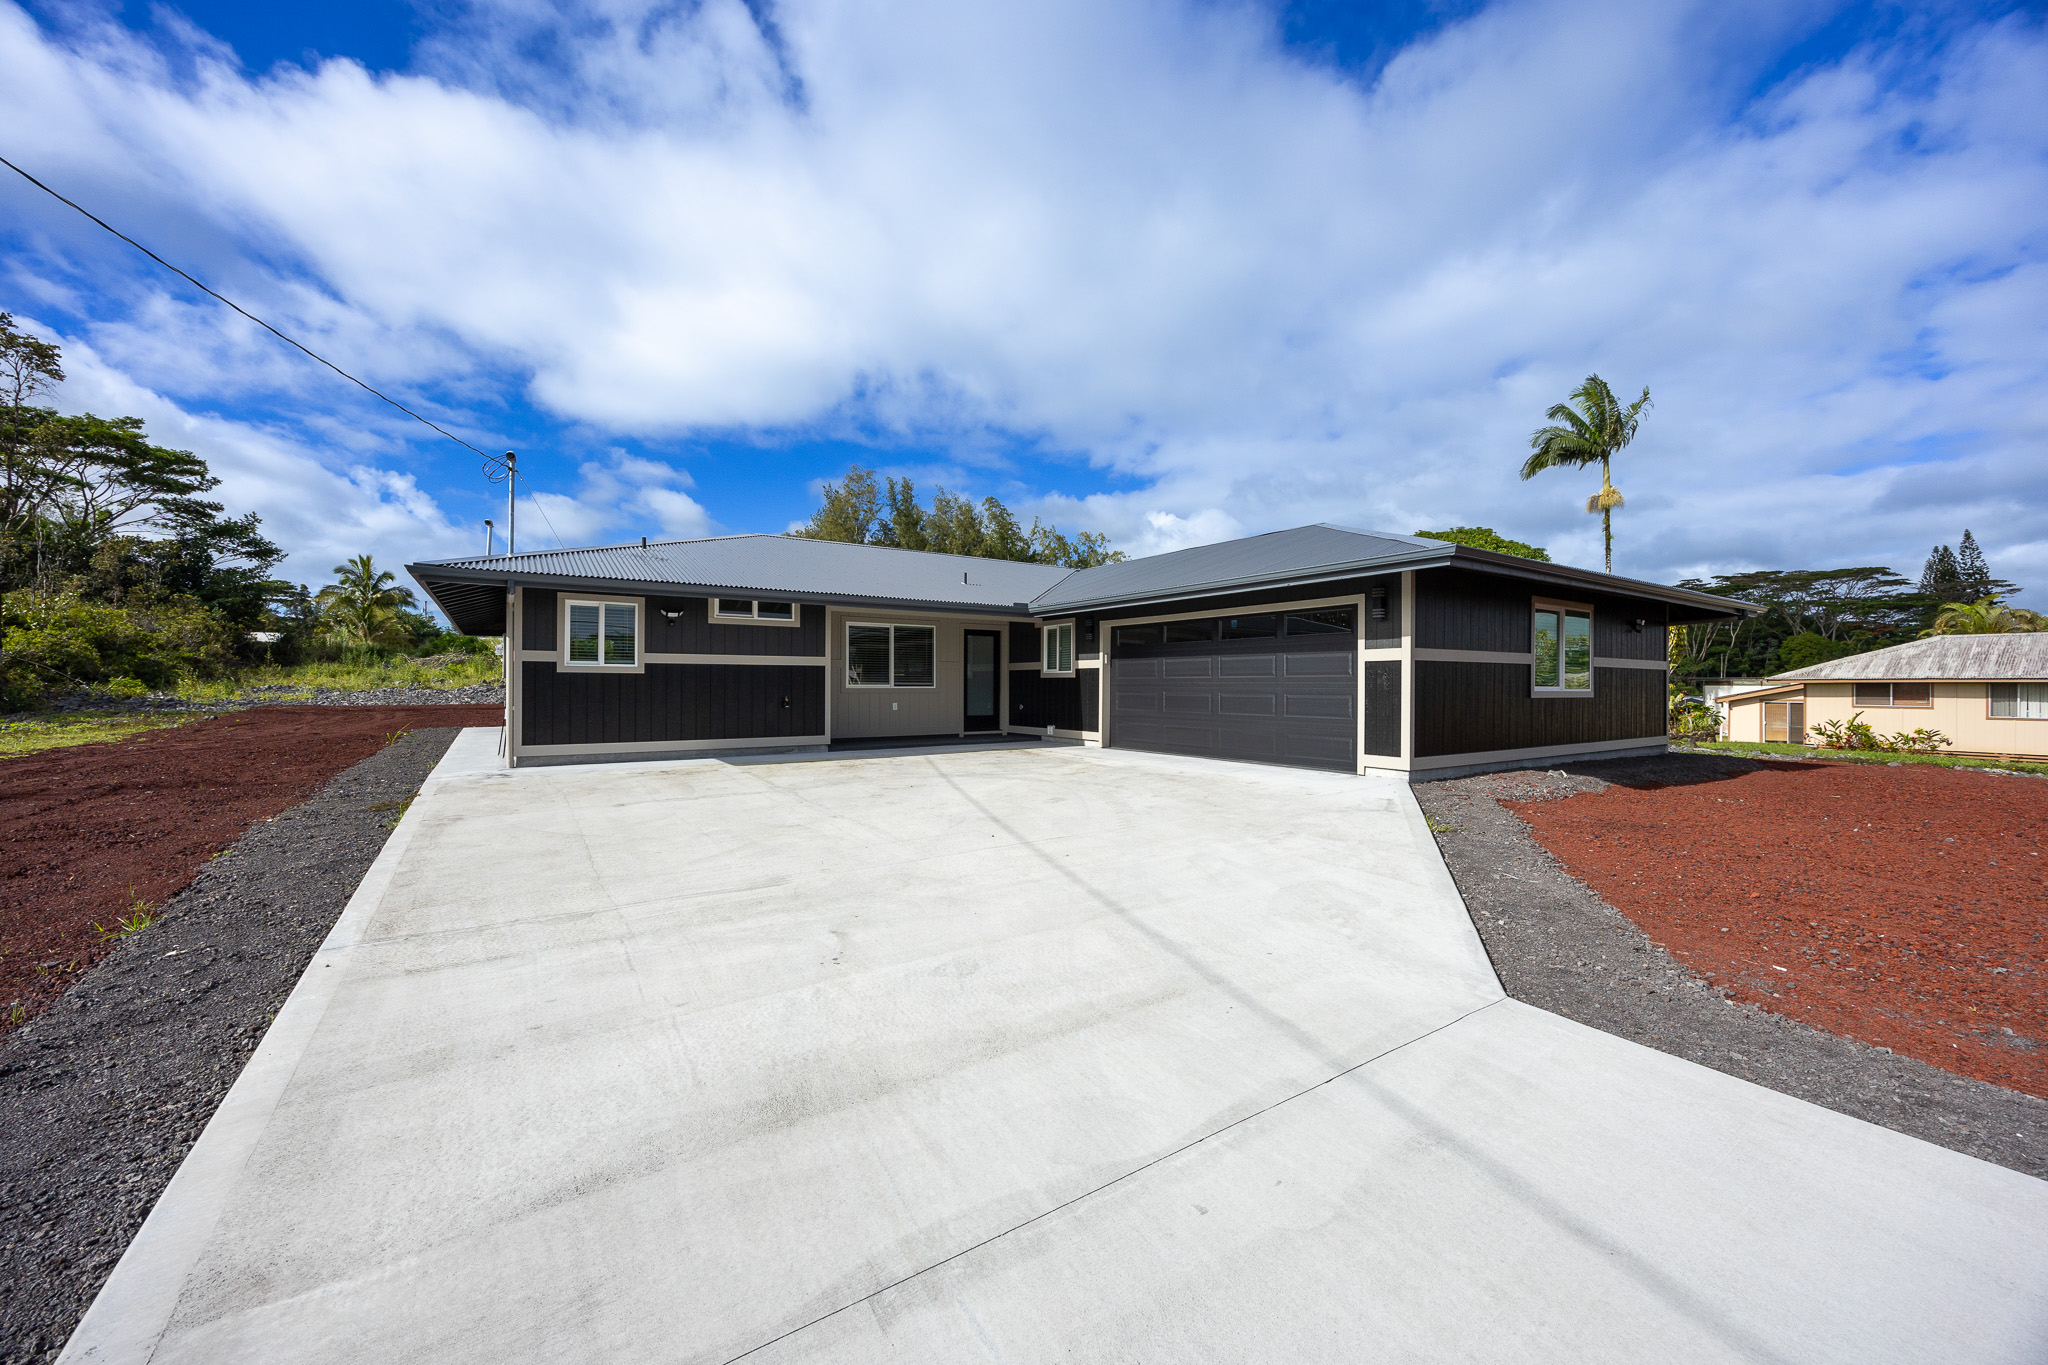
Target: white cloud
[(1142, 232), (620, 491)]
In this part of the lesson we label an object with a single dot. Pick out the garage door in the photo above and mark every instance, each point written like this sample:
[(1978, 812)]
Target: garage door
[(1274, 686)]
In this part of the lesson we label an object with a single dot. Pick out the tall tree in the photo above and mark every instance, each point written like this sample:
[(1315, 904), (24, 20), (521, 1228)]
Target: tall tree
[(1593, 431), (362, 604), (1973, 574), (1941, 576), (859, 510)]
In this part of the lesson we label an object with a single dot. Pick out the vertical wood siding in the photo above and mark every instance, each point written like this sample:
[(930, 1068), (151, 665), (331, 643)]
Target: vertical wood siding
[(672, 702), (1038, 702), (1381, 729), (1462, 609), (1469, 708), (691, 633)]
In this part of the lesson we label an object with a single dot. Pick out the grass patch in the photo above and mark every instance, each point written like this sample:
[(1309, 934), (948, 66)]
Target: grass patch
[(1743, 749), (440, 674), (139, 917), (36, 733), (398, 809)]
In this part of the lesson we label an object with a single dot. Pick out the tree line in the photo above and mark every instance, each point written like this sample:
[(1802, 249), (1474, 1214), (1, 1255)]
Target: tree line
[(117, 570), (862, 511)]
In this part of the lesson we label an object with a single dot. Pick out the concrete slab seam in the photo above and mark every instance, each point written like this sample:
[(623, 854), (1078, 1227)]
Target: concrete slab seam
[(134, 1308), (1135, 1171)]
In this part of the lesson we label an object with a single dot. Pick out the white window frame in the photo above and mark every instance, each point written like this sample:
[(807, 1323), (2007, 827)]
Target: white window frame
[(565, 603), (2019, 701), (846, 663), (718, 615), (1046, 633), (1537, 604)]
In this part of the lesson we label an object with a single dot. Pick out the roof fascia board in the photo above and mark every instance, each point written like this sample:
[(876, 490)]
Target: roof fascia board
[(651, 588), (1563, 574)]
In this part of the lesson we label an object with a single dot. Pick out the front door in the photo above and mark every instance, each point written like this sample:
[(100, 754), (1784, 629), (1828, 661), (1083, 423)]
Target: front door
[(984, 678)]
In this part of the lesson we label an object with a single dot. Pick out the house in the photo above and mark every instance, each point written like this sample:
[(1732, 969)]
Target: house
[(1320, 646), (1987, 693)]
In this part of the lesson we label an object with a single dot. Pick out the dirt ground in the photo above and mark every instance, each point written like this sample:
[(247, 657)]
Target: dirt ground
[(1904, 907), (90, 834)]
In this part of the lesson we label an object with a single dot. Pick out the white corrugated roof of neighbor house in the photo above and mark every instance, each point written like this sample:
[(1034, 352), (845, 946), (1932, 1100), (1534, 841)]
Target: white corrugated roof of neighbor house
[(760, 565), (1938, 658)]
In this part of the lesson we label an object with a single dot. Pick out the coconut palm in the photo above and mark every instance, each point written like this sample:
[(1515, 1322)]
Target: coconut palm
[(1985, 616), (1595, 430), (361, 606)]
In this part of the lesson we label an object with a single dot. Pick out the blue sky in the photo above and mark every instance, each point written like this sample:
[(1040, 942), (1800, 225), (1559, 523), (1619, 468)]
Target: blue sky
[(1171, 271)]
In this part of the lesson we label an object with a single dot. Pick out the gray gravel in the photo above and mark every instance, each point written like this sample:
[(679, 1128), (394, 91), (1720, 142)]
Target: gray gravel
[(275, 694), (1558, 946), (101, 1097)]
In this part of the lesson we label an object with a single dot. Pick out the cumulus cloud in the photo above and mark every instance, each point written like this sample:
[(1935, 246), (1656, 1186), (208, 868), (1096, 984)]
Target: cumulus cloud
[(1253, 290), (619, 491)]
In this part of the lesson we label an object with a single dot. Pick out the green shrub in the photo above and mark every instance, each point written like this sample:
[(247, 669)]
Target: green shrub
[(1855, 733), (61, 643)]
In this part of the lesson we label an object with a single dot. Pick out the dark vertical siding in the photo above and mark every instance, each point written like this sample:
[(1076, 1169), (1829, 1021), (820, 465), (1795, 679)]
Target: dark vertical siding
[(1464, 609), (691, 632), (539, 610), (671, 703), (1382, 720), (1087, 638), (1023, 642), (1384, 632), (1090, 680), (1037, 701), (1469, 708)]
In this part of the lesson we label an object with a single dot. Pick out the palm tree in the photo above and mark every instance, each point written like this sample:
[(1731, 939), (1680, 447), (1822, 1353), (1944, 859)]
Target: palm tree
[(362, 605), (1596, 430), (1985, 616)]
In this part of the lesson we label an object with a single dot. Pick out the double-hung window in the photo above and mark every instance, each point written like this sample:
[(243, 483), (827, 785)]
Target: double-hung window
[(603, 635), (759, 612), (891, 656), (2019, 701), (1058, 655), (1561, 641)]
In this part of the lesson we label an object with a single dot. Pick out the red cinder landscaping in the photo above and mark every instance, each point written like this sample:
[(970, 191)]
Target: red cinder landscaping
[(86, 832), (1904, 907)]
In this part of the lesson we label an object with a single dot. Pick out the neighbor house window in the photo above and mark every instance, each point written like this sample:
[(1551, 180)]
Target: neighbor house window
[(1894, 694), (2019, 701), (604, 634), (1562, 643), (892, 656), (733, 609), (1059, 649)]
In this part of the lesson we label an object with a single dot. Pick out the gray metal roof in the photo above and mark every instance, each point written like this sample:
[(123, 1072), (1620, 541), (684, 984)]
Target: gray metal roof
[(1947, 658), (758, 565), (834, 571), (1308, 554)]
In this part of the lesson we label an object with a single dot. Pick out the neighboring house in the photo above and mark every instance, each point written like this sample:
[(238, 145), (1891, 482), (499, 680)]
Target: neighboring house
[(1987, 693), (1319, 646)]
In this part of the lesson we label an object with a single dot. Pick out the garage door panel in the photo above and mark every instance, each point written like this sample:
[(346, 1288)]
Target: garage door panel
[(1247, 666), (1282, 701), (1319, 665), (1309, 706)]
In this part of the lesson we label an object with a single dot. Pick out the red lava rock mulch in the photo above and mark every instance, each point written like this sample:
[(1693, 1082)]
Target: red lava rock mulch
[(87, 831), (1903, 907)]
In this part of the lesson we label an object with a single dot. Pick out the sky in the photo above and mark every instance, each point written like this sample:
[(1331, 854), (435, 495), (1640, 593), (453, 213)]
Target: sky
[(1171, 271)]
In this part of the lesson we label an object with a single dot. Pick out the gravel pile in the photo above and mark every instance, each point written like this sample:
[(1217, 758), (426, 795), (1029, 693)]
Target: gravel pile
[(101, 1097), (1557, 945)]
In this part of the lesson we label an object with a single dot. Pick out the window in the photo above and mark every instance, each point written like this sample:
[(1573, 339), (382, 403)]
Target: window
[(1127, 636), (1894, 694), (1250, 627), (766, 613), (1058, 655), (2019, 701), (1562, 642), (604, 634), (1190, 632), (1784, 722), (892, 656), (1330, 621)]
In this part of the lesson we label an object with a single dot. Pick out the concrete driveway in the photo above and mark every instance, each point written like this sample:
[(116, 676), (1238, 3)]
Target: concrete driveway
[(1018, 1055)]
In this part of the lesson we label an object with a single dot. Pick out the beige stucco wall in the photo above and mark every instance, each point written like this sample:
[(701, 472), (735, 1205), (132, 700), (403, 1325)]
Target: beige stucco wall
[(1961, 710), (872, 712)]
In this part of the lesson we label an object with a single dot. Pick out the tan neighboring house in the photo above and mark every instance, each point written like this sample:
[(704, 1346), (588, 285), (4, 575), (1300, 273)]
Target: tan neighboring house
[(1987, 693)]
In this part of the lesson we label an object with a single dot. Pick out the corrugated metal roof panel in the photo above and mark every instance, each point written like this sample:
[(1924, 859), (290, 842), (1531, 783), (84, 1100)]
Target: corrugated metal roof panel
[(759, 565), (1302, 551), (1943, 658)]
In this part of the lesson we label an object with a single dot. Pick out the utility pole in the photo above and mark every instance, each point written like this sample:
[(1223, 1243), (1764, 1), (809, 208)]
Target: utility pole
[(511, 497)]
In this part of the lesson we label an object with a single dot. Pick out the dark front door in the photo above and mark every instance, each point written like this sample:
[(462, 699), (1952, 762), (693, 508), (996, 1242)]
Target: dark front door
[(984, 676), (1272, 685)]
